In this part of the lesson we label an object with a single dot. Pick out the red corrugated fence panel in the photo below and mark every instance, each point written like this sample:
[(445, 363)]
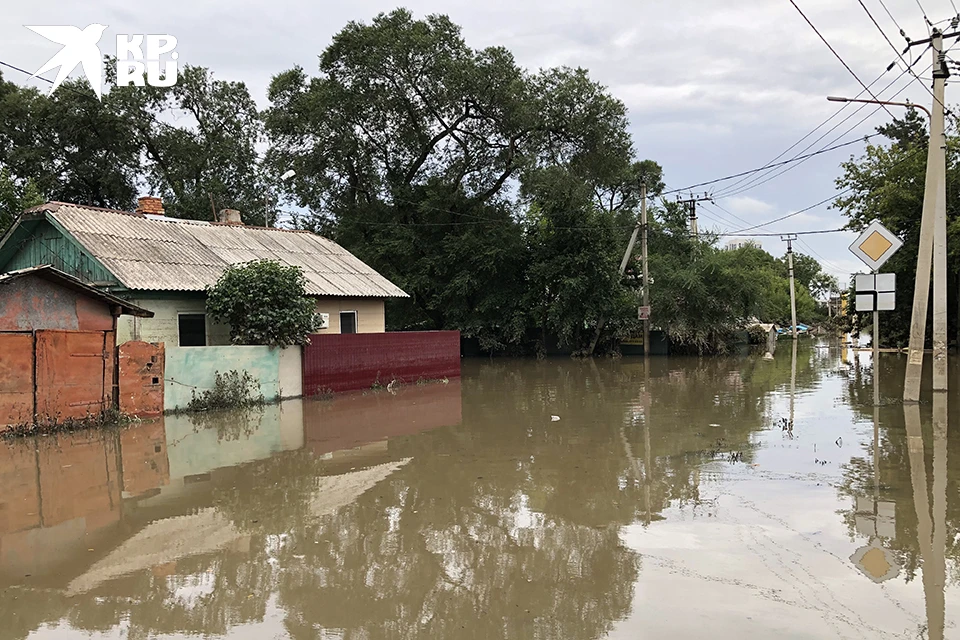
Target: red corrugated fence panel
[(348, 362)]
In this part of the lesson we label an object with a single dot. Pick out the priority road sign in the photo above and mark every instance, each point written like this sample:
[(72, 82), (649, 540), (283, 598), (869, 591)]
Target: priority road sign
[(876, 245)]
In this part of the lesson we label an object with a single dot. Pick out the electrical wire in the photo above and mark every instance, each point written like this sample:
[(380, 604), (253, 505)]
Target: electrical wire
[(745, 182), (823, 260), (784, 233), (837, 55), (894, 20), (908, 156), (770, 166), (752, 183), (895, 50)]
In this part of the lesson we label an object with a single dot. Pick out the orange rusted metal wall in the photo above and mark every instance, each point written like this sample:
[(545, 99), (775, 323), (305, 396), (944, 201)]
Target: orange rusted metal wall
[(16, 378), (74, 374), (141, 378), (34, 303)]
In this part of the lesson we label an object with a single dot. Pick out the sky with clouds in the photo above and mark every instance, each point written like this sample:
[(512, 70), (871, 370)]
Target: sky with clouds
[(713, 87)]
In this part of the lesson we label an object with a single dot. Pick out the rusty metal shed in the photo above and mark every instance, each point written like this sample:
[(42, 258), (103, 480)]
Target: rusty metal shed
[(57, 355)]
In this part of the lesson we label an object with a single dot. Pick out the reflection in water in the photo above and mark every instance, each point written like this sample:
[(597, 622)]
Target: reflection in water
[(667, 501)]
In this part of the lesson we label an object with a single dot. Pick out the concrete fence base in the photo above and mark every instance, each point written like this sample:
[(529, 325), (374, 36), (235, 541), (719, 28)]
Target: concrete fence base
[(190, 370)]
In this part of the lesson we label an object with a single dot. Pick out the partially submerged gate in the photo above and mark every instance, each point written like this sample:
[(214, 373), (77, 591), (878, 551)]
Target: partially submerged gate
[(74, 375), (55, 375), (16, 378)]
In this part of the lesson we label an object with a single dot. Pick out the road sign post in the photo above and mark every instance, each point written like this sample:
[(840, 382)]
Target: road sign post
[(876, 292)]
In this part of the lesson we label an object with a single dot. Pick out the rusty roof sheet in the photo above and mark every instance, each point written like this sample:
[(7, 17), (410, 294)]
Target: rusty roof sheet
[(48, 272), (186, 255)]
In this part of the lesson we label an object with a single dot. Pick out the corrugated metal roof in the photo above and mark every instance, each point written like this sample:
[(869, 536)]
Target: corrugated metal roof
[(179, 255)]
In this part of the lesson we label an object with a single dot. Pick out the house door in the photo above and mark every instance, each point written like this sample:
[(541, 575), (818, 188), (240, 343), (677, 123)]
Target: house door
[(74, 373), (16, 379)]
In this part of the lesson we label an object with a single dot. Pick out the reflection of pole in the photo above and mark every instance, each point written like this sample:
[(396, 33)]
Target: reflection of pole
[(931, 541), (934, 202), (935, 599), (793, 381), (876, 358), (647, 455)]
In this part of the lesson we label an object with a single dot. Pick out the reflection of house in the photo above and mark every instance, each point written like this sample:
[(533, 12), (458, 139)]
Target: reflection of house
[(352, 420), (167, 263)]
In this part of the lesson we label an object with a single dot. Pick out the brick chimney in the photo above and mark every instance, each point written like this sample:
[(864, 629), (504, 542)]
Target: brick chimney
[(230, 216), (150, 204)]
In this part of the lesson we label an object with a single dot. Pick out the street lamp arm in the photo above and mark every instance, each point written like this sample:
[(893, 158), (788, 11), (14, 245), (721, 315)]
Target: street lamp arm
[(908, 105)]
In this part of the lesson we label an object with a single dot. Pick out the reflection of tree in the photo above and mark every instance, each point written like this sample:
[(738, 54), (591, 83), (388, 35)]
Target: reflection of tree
[(504, 526), (233, 424)]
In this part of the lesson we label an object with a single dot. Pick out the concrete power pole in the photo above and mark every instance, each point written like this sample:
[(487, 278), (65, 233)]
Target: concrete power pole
[(793, 293), (691, 205), (646, 270), (932, 249)]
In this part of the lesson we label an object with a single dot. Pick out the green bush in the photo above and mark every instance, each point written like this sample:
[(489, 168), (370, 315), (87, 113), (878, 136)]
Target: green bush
[(264, 302), (230, 390)]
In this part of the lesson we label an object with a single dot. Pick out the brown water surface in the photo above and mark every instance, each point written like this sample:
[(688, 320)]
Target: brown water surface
[(682, 498)]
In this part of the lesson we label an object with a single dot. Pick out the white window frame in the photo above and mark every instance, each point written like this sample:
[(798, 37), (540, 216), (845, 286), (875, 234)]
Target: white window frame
[(206, 328), (356, 320)]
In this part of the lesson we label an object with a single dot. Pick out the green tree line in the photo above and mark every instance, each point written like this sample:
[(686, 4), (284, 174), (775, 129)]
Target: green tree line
[(500, 198)]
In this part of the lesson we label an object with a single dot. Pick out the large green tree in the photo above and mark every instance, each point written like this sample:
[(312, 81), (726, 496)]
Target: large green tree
[(73, 147), (425, 156), (198, 141)]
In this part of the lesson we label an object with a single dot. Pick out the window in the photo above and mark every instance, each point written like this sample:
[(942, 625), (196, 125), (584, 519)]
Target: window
[(348, 322), (193, 330)]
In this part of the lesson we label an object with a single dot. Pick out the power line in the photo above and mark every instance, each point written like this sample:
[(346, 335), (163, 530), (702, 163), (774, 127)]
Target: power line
[(759, 180), (895, 50), (834, 52), (747, 182), (783, 233), (908, 156), (894, 20), (770, 166), (823, 260)]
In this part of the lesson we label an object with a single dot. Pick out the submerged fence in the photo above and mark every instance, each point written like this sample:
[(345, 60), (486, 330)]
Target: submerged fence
[(348, 362)]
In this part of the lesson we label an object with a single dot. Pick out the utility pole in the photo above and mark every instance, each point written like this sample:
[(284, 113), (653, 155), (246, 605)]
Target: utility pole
[(646, 271), (932, 250), (793, 294), (691, 206)]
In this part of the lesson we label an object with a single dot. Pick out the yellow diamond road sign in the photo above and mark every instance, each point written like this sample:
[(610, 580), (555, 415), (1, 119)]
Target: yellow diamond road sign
[(875, 245)]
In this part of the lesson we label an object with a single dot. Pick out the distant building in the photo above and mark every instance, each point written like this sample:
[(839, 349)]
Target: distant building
[(740, 243), (165, 265)]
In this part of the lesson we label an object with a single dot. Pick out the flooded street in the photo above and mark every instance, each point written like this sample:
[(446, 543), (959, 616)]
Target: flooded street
[(686, 498)]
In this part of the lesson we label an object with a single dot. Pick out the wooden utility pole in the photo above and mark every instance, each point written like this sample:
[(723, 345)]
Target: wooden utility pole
[(932, 249), (793, 292), (646, 270)]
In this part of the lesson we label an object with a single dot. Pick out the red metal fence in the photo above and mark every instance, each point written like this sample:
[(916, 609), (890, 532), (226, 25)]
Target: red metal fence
[(348, 362)]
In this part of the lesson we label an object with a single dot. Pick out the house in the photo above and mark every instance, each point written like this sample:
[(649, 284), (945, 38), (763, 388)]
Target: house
[(165, 265), (57, 337)]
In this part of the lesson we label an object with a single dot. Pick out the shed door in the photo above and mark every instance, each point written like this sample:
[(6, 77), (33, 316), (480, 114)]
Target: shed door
[(16, 378), (71, 367)]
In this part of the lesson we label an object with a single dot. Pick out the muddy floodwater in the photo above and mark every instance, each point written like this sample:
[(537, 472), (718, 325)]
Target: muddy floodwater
[(683, 498)]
